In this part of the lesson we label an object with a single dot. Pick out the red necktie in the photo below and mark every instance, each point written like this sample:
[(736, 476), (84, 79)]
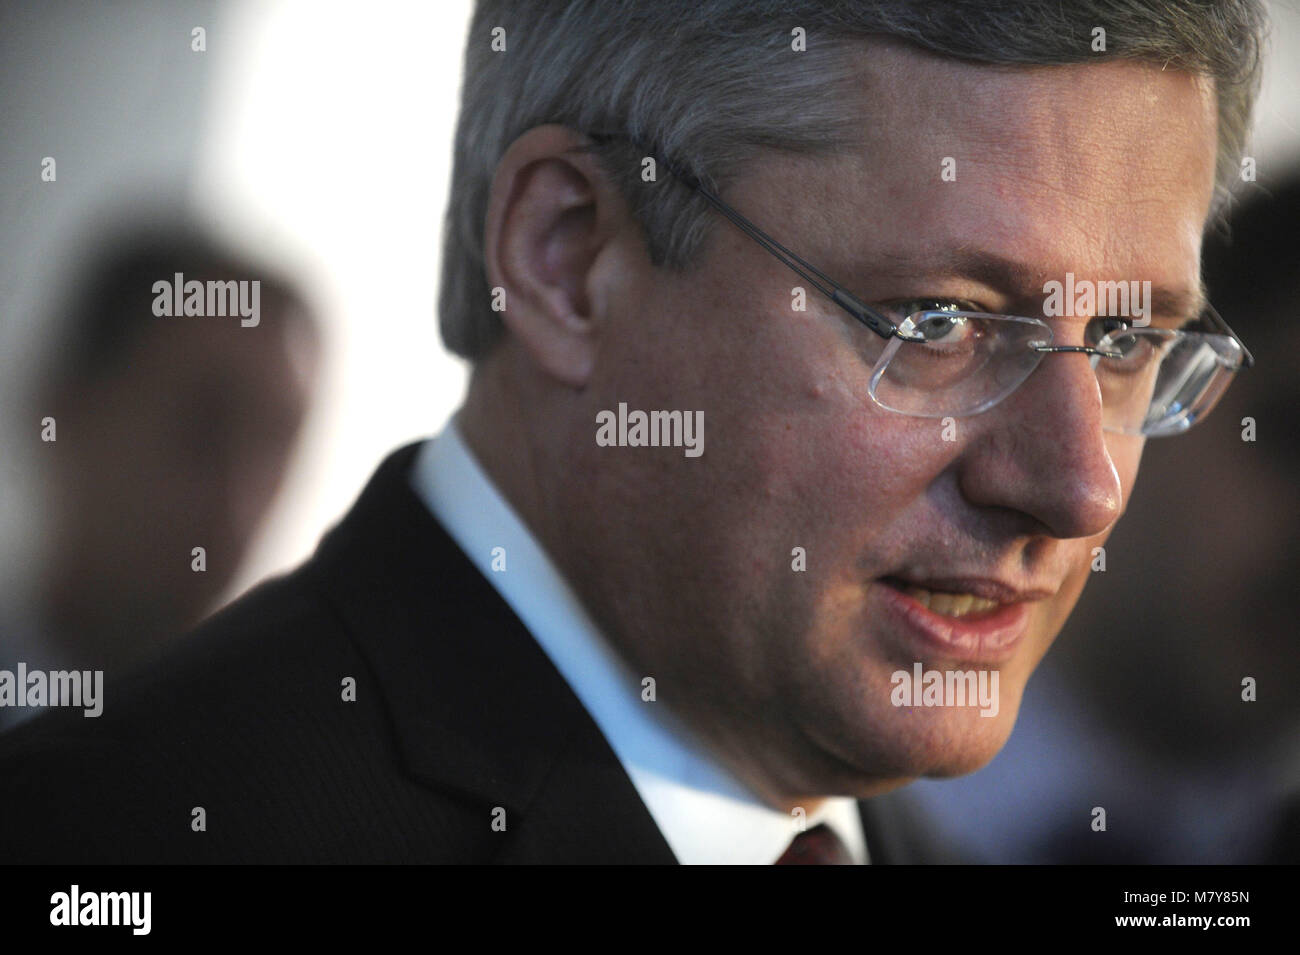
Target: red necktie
[(816, 846)]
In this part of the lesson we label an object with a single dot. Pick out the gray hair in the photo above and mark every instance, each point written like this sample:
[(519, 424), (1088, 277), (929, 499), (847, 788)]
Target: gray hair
[(711, 82)]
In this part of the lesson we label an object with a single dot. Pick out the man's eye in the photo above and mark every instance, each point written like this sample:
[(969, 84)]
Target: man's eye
[(1099, 328), (937, 329), (941, 329)]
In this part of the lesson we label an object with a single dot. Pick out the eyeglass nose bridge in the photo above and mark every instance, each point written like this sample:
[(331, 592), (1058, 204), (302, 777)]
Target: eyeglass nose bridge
[(1082, 349)]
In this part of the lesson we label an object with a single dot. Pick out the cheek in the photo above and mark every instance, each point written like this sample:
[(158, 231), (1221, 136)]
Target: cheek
[(844, 480)]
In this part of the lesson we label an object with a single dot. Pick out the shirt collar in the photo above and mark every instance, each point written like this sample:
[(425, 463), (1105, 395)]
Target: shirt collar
[(705, 814)]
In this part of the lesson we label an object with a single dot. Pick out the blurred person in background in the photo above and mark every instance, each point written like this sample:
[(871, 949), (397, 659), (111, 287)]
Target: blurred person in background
[(170, 433)]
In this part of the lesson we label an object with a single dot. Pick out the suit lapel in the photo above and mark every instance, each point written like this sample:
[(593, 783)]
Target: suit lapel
[(477, 707)]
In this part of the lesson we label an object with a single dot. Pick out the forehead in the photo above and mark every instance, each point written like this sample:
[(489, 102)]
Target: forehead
[(1106, 166)]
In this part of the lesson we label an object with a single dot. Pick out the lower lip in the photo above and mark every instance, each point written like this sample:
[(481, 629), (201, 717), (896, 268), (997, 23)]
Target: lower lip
[(985, 638)]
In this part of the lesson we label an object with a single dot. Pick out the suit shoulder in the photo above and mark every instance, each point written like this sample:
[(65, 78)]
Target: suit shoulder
[(263, 727), (270, 651)]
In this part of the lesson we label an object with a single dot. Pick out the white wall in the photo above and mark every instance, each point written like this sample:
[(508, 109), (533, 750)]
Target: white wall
[(329, 143)]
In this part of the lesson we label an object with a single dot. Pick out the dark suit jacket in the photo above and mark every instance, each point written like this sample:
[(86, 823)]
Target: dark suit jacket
[(457, 712)]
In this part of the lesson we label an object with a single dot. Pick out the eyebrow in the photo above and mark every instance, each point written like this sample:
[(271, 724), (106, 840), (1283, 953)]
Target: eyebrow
[(1021, 282)]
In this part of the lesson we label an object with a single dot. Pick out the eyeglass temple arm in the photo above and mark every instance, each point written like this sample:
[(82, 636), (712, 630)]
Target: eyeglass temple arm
[(1247, 359), (841, 296)]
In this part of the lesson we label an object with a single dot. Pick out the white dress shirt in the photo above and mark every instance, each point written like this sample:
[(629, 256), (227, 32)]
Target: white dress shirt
[(705, 813)]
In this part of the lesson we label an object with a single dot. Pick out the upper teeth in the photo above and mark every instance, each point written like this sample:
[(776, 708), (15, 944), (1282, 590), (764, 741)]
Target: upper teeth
[(950, 605)]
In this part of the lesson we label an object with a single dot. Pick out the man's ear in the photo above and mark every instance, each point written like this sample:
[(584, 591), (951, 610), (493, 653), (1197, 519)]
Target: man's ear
[(549, 215)]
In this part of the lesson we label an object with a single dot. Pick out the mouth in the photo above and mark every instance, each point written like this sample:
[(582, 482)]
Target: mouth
[(971, 619), (945, 604), (961, 596)]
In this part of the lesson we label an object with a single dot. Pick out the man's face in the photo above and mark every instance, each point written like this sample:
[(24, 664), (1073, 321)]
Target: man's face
[(1103, 170)]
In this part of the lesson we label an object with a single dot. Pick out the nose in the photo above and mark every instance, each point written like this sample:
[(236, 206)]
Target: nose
[(1042, 452)]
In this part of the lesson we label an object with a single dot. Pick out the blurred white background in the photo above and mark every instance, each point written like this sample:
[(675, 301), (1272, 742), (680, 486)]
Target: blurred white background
[(329, 133)]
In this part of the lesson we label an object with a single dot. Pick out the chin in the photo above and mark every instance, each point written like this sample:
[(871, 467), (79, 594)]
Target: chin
[(935, 742), (962, 742)]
